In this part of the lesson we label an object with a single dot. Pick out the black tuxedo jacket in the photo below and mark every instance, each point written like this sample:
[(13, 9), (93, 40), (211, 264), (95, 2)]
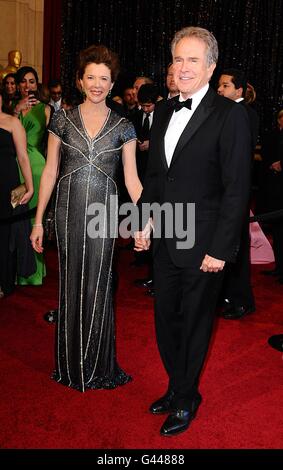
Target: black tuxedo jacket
[(211, 168), (254, 123)]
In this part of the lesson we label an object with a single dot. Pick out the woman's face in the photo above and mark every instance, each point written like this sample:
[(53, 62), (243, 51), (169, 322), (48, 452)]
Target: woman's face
[(28, 83), (96, 82), (10, 86)]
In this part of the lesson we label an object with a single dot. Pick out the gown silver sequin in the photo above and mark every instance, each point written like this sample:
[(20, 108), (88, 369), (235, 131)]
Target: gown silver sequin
[(89, 170)]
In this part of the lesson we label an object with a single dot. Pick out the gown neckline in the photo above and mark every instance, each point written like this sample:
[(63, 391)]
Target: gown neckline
[(100, 130)]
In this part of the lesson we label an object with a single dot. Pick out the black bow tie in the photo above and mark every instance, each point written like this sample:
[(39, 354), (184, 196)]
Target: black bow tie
[(177, 105)]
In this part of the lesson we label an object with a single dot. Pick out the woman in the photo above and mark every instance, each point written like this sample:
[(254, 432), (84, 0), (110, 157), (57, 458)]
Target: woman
[(10, 90), (91, 138), (34, 116), (12, 143)]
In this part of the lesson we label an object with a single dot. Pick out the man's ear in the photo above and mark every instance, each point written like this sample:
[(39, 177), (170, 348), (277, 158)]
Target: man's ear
[(240, 92)]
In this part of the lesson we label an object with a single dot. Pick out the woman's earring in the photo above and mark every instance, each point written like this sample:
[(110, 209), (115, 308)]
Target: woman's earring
[(109, 93)]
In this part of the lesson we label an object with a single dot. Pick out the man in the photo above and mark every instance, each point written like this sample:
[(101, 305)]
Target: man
[(170, 83), (139, 81), (202, 156), (55, 89), (237, 294), (147, 99), (129, 103), (233, 85)]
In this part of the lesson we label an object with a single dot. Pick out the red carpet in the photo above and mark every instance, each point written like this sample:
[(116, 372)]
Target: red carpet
[(241, 384)]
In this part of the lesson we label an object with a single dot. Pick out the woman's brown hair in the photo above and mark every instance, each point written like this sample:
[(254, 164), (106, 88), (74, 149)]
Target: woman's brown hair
[(99, 54)]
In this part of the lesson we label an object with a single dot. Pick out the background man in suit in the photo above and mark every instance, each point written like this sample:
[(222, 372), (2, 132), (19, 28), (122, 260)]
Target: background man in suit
[(55, 89), (199, 155), (237, 294), (170, 83)]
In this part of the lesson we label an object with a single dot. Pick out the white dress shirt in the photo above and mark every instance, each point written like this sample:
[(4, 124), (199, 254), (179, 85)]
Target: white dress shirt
[(178, 122), (56, 104)]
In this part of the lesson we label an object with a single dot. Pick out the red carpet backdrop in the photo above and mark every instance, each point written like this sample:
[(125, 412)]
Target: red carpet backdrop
[(241, 384)]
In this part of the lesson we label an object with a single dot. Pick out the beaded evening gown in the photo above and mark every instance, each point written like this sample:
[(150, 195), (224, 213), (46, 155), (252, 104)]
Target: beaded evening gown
[(89, 170), (34, 123)]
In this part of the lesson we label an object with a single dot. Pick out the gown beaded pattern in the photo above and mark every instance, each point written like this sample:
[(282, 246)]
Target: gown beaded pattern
[(89, 171)]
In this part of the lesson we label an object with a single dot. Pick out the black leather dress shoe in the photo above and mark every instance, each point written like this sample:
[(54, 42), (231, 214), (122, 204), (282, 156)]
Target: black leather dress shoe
[(147, 282), (235, 313), (180, 420), (163, 404), (276, 342), (51, 316)]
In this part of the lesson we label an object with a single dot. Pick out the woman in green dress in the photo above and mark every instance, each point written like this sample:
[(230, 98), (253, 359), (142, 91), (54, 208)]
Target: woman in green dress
[(34, 117)]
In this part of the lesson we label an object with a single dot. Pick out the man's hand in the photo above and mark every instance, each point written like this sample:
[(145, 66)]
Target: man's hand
[(142, 238), (211, 265), (141, 243), (144, 145)]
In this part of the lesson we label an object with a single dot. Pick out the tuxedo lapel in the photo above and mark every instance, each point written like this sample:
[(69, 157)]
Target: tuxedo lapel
[(204, 109)]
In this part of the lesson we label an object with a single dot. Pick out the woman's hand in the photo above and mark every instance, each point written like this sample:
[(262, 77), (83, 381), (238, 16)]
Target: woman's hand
[(26, 197), (25, 103), (36, 238)]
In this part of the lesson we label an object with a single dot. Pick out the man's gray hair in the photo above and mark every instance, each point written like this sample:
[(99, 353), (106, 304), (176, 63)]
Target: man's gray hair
[(202, 34)]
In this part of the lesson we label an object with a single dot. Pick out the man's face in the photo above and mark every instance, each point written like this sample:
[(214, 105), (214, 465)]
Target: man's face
[(170, 82), (191, 71), (138, 83), (129, 96), (147, 107), (56, 92), (227, 88)]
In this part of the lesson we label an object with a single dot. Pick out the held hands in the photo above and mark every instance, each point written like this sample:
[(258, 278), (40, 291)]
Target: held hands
[(143, 145), (211, 265), (142, 238), (36, 238)]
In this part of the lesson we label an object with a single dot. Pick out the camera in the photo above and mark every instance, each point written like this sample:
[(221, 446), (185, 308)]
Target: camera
[(33, 94)]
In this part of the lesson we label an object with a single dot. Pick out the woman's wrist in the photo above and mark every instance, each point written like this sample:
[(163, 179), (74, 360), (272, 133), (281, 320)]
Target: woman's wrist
[(38, 225)]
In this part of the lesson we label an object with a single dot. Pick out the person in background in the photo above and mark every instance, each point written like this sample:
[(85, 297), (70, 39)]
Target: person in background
[(272, 188), (147, 99), (13, 145), (139, 81), (170, 83), (237, 298), (55, 90), (9, 91), (34, 116), (129, 103)]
